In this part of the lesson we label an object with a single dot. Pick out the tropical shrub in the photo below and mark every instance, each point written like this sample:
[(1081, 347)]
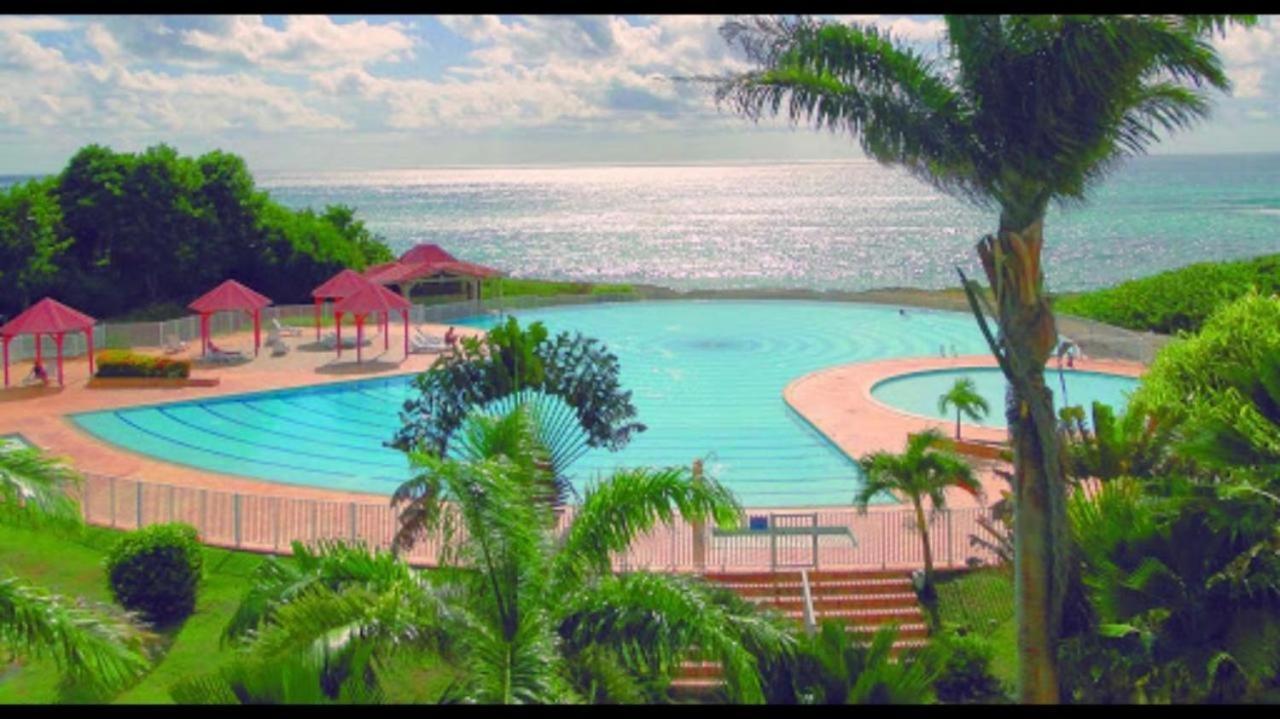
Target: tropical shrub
[(1179, 300), (831, 667), (122, 363), (155, 571), (1137, 444), (966, 674), (1182, 582)]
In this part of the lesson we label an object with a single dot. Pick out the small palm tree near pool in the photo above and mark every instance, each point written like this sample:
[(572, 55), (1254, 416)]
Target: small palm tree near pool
[(923, 470), (964, 396)]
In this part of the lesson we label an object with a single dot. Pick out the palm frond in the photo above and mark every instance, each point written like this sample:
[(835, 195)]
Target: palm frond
[(35, 489), (87, 645), (632, 501)]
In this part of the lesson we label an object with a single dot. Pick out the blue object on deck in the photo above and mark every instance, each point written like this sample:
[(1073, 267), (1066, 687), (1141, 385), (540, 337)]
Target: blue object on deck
[(758, 524)]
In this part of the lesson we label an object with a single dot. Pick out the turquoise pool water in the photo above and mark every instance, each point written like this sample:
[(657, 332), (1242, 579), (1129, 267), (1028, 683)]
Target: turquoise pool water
[(706, 377), (918, 392)]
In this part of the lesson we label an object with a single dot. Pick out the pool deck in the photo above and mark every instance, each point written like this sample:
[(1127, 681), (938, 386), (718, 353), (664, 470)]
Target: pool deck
[(40, 414), (837, 401)]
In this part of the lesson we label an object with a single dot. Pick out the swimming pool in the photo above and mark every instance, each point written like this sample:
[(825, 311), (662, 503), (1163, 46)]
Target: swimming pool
[(918, 392), (706, 376)]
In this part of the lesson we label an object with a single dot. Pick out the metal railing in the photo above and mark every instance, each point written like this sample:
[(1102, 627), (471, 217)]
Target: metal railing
[(885, 538)]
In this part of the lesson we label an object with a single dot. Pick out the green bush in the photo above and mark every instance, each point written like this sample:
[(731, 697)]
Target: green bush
[(1178, 300), (121, 363), (966, 675), (155, 571)]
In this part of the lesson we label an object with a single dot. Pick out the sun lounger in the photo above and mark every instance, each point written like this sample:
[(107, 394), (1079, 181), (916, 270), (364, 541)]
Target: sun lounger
[(278, 346), (285, 331), (426, 343), (173, 345), (222, 356), (330, 341)]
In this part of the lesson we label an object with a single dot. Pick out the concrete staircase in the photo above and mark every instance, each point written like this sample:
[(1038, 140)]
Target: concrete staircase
[(864, 601)]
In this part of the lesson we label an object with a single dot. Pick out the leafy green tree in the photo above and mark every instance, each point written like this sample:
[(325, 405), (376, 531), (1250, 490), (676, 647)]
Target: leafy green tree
[(1247, 438), (532, 615), (964, 396), (1021, 111), (570, 384), (32, 242), (89, 647), (922, 471)]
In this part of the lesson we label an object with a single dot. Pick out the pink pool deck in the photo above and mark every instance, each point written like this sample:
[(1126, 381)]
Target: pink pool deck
[(837, 401)]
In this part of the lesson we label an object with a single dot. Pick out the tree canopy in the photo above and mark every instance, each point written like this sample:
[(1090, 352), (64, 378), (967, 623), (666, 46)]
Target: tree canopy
[(116, 232)]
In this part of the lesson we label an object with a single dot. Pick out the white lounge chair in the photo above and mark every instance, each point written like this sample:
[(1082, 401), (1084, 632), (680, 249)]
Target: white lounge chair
[(330, 341), (422, 343), (285, 331), (173, 345), (278, 346), (220, 356)]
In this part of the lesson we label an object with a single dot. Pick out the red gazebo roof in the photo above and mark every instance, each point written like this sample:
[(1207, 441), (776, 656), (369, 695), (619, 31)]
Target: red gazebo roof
[(343, 284), (229, 295), (426, 252), (48, 316), (371, 298)]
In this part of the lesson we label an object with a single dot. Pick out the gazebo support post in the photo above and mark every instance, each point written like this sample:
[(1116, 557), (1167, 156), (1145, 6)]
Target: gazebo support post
[(386, 331), (404, 313), (359, 337), (5, 341), (88, 338), (337, 322), (39, 355), (57, 342), (257, 331), (319, 306), (204, 333)]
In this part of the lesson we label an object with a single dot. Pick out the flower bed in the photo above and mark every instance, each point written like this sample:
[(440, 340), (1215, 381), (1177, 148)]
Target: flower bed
[(121, 363)]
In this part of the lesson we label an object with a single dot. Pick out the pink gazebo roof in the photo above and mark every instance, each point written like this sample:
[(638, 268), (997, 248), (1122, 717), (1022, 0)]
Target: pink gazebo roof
[(427, 252), (371, 298), (229, 295), (343, 284), (48, 316)]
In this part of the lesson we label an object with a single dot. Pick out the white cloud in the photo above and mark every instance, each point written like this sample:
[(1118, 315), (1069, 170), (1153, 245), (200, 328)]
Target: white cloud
[(34, 23), (1252, 58), (304, 44)]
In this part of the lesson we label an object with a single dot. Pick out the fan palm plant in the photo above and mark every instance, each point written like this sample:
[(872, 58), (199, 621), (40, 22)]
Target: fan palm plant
[(530, 613), (89, 647), (1022, 111), (922, 471), (964, 396), (1137, 444)]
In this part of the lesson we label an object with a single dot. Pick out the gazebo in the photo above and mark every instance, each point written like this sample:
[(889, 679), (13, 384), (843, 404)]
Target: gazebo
[(47, 317), (344, 284), (230, 296), (430, 263), (367, 299)]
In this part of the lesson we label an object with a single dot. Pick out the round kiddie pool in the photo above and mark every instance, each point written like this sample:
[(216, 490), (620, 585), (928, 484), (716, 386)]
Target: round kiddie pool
[(706, 376), (918, 392)]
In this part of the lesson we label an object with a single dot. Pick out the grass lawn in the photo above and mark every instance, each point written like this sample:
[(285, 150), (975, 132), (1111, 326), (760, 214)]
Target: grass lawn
[(513, 287), (982, 600), (71, 565)]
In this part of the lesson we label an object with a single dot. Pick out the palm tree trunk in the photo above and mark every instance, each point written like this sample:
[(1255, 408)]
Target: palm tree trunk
[(957, 423), (923, 526), (1011, 260)]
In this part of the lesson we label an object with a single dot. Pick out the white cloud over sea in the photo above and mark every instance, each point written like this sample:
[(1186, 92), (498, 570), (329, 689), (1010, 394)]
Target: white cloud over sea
[(319, 92)]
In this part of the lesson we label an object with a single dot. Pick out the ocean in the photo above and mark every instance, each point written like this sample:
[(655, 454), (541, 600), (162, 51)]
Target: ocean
[(833, 225), (824, 225)]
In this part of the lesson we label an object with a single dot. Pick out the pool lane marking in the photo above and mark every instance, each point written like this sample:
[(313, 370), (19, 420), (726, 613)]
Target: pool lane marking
[(251, 443), (260, 410), (303, 438)]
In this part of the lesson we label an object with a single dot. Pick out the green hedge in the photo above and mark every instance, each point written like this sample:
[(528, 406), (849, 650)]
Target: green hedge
[(121, 363), (1178, 300), (155, 571)]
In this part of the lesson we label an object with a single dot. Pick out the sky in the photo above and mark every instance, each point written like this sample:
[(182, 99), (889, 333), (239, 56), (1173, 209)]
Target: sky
[(314, 92)]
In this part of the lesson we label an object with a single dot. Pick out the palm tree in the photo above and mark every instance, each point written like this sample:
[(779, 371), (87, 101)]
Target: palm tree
[(87, 646), (919, 472), (1139, 443), (964, 396), (530, 613), (1022, 110)]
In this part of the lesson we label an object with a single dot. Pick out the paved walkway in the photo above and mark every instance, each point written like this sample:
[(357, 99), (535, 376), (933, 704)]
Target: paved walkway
[(838, 402)]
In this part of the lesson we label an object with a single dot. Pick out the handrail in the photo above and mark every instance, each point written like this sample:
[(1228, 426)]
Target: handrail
[(810, 624)]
